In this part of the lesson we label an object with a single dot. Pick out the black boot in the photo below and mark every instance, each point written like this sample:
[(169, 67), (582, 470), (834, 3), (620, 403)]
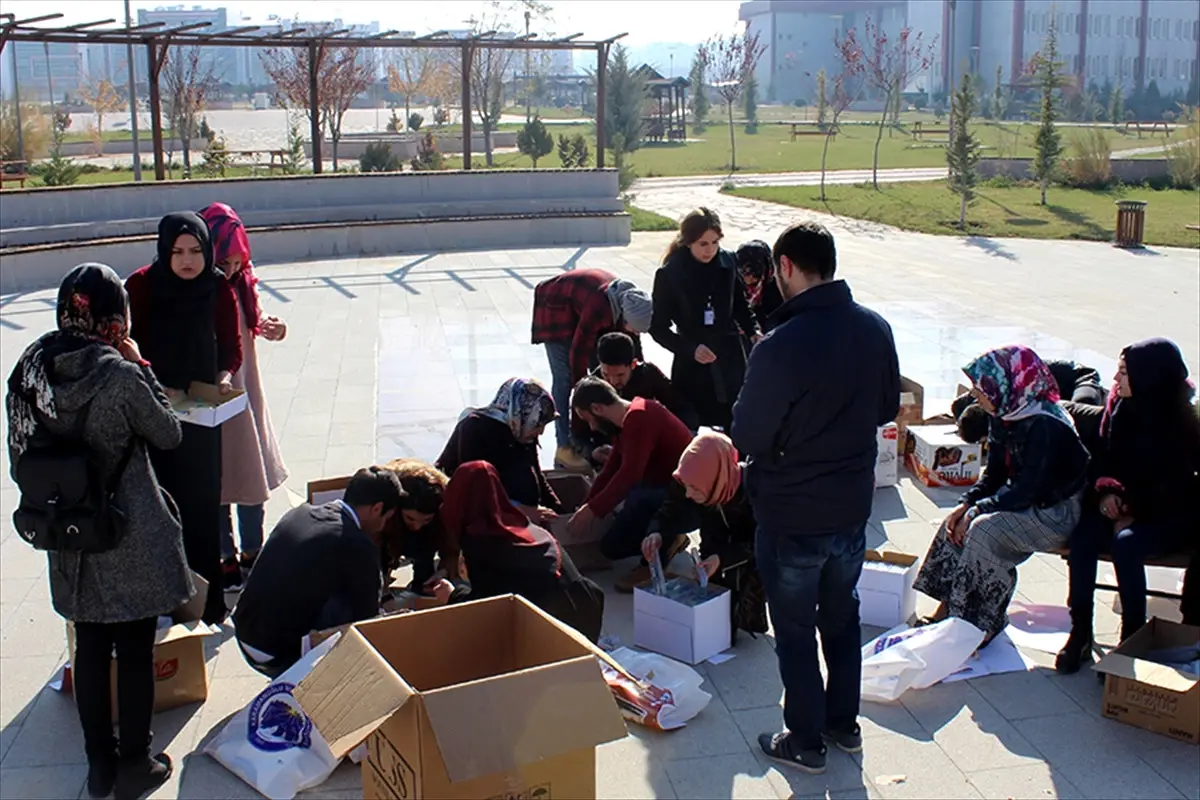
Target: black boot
[(137, 777), (1077, 650), (102, 776)]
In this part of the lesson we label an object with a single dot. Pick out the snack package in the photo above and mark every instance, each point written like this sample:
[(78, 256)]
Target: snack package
[(667, 696)]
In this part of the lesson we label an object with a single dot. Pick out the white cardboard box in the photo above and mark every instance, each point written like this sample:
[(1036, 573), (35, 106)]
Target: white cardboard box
[(205, 405), (887, 460), (886, 597), (686, 631), (937, 456)]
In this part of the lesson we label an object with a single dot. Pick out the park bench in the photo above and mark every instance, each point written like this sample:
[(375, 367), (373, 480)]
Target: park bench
[(276, 158), (1192, 227), (1176, 561), (919, 131), (1148, 127), (809, 129), (14, 171)]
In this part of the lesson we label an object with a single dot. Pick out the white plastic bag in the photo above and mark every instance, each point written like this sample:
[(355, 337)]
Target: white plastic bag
[(916, 658), (670, 697), (271, 744)]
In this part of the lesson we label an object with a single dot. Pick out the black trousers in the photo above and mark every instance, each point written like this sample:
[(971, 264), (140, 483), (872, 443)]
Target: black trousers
[(94, 644)]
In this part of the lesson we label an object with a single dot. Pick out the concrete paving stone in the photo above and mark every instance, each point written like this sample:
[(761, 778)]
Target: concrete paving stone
[(50, 734), (19, 560), (34, 630), (13, 590), (1025, 695), (842, 773), (202, 778), (751, 678), (1085, 749), (713, 732), (1029, 782), (977, 737), (926, 771), (734, 776), (627, 769), (1178, 766), (8, 735), (36, 783), (888, 719), (25, 679)]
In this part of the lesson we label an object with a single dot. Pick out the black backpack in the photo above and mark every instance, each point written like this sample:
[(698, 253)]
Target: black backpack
[(66, 505)]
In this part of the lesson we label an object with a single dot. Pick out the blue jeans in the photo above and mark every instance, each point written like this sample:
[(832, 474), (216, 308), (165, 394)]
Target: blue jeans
[(559, 356), (811, 584), (1129, 550), (624, 538), (250, 529)]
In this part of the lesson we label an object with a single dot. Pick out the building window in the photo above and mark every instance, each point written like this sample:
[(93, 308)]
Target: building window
[(1157, 28), (1107, 25)]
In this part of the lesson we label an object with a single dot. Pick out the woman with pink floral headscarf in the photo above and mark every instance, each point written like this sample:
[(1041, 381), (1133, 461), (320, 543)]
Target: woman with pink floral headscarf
[(1027, 501), (251, 464)]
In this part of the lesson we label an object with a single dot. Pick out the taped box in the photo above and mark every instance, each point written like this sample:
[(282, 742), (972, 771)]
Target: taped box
[(205, 405), (887, 459), (1141, 691), (512, 705), (689, 623), (886, 595), (938, 457)]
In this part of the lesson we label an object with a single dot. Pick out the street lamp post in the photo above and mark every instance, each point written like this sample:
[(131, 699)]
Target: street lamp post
[(133, 115)]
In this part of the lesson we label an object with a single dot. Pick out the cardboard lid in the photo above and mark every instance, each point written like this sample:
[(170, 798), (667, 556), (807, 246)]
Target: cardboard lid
[(181, 631), (1126, 661), (211, 393), (890, 557), (946, 434), (351, 692), (323, 485)]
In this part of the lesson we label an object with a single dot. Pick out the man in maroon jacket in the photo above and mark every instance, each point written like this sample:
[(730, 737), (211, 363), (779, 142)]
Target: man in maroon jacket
[(648, 441), (571, 312)]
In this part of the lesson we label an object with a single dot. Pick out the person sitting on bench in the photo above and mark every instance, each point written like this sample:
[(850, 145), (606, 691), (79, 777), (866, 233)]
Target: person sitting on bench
[(631, 377), (1144, 505), (1077, 384), (648, 441), (319, 569)]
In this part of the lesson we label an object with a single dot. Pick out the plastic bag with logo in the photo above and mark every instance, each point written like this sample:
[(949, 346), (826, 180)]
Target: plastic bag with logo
[(271, 744), (669, 693), (916, 658)]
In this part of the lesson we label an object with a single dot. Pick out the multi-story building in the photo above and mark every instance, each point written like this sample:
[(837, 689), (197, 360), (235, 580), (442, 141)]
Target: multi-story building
[(40, 68), (224, 60), (1126, 43)]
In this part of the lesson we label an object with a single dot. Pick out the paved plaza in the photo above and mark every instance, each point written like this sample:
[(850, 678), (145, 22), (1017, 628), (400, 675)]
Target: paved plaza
[(383, 354)]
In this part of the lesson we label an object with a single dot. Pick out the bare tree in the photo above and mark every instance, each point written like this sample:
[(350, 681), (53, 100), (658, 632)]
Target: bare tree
[(489, 67), (411, 74), (730, 62), (189, 78), (104, 99), (846, 87), (343, 74), (889, 66)]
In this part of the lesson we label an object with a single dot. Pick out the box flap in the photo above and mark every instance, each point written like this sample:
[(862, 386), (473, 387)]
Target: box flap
[(890, 557), (180, 631), (326, 486), (1127, 661), (579, 638), (211, 393), (498, 724), (351, 692)]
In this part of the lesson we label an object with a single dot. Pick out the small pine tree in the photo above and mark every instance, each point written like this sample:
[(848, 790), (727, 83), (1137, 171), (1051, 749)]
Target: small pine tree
[(1116, 105), (963, 150), (535, 141), (999, 104), (565, 156), (1048, 141), (59, 170), (700, 104), (217, 158), (822, 98), (750, 98), (579, 151), (428, 157), (415, 121), (293, 157)]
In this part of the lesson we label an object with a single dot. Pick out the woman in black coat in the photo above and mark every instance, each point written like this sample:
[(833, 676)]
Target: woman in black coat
[(702, 316), (757, 266)]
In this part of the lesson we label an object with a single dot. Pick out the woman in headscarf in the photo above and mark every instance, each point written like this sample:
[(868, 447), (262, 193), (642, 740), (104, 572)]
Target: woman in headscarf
[(1027, 501), (1144, 503), (709, 486), (251, 463), (87, 380), (505, 434), (506, 553), (701, 315), (185, 321), (758, 274)]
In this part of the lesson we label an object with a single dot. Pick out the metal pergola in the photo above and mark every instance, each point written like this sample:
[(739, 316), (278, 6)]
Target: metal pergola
[(157, 40)]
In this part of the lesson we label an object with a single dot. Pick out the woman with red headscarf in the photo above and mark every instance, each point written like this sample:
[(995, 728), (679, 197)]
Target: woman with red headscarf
[(505, 553), (251, 464), (710, 486)]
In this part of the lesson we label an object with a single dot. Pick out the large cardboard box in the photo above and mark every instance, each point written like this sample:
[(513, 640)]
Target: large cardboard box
[(886, 597), (326, 490), (1150, 695), (205, 405), (180, 672), (689, 624), (513, 704), (937, 456), (912, 405), (887, 460)]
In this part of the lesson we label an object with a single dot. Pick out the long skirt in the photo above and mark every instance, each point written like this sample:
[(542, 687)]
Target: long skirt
[(977, 581)]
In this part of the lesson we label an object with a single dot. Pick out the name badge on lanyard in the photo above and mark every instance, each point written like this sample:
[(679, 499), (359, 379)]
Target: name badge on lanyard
[(710, 316)]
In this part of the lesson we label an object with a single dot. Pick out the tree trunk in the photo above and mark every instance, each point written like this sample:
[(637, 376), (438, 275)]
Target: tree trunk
[(407, 114), (962, 213), (732, 146), (487, 141), (1044, 181), (875, 158), (824, 153), (335, 134)]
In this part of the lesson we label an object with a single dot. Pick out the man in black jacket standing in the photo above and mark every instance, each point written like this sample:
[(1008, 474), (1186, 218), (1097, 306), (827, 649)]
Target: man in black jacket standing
[(817, 388)]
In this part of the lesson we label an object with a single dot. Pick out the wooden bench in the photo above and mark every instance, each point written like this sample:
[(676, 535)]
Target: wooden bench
[(1177, 561), (810, 129), (919, 132), (1192, 227), (19, 173), (1148, 127)]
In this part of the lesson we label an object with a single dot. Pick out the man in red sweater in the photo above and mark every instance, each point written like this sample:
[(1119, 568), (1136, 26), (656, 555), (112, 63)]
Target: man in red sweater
[(647, 443)]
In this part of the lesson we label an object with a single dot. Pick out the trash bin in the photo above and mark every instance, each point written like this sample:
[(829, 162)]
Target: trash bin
[(1131, 223)]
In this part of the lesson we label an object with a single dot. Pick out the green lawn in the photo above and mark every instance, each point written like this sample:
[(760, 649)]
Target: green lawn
[(84, 135), (1010, 211), (548, 112), (644, 220)]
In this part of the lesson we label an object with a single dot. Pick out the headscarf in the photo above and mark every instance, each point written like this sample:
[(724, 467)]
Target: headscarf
[(754, 259), (523, 405), (1018, 383), (475, 504), (1158, 383), (181, 341), (630, 305), (229, 239), (710, 464), (92, 308)]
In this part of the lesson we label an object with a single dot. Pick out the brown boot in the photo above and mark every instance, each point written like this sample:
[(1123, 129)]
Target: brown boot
[(567, 459)]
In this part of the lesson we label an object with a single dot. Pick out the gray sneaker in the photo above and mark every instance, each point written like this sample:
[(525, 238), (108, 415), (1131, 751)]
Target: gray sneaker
[(848, 740), (779, 747)]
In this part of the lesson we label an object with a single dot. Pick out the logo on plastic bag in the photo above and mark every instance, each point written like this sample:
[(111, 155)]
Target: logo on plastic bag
[(884, 642), (276, 721)]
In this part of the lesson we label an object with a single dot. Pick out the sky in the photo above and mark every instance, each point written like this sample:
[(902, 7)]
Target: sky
[(645, 21)]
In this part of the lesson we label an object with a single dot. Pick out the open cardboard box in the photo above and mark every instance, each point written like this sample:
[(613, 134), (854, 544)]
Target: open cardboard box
[(885, 588), (512, 704), (1150, 695), (912, 407), (205, 405), (687, 632), (938, 457)]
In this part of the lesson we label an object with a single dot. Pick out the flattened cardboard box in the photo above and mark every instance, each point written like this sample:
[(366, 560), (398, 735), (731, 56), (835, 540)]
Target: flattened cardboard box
[(512, 705), (1150, 695)]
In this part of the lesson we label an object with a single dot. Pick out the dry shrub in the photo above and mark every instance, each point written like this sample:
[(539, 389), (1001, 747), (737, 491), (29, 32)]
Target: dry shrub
[(1183, 159), (1090, 164)]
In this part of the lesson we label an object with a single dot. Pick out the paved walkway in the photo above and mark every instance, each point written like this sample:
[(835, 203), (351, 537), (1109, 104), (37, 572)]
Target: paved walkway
[(383, 354)]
